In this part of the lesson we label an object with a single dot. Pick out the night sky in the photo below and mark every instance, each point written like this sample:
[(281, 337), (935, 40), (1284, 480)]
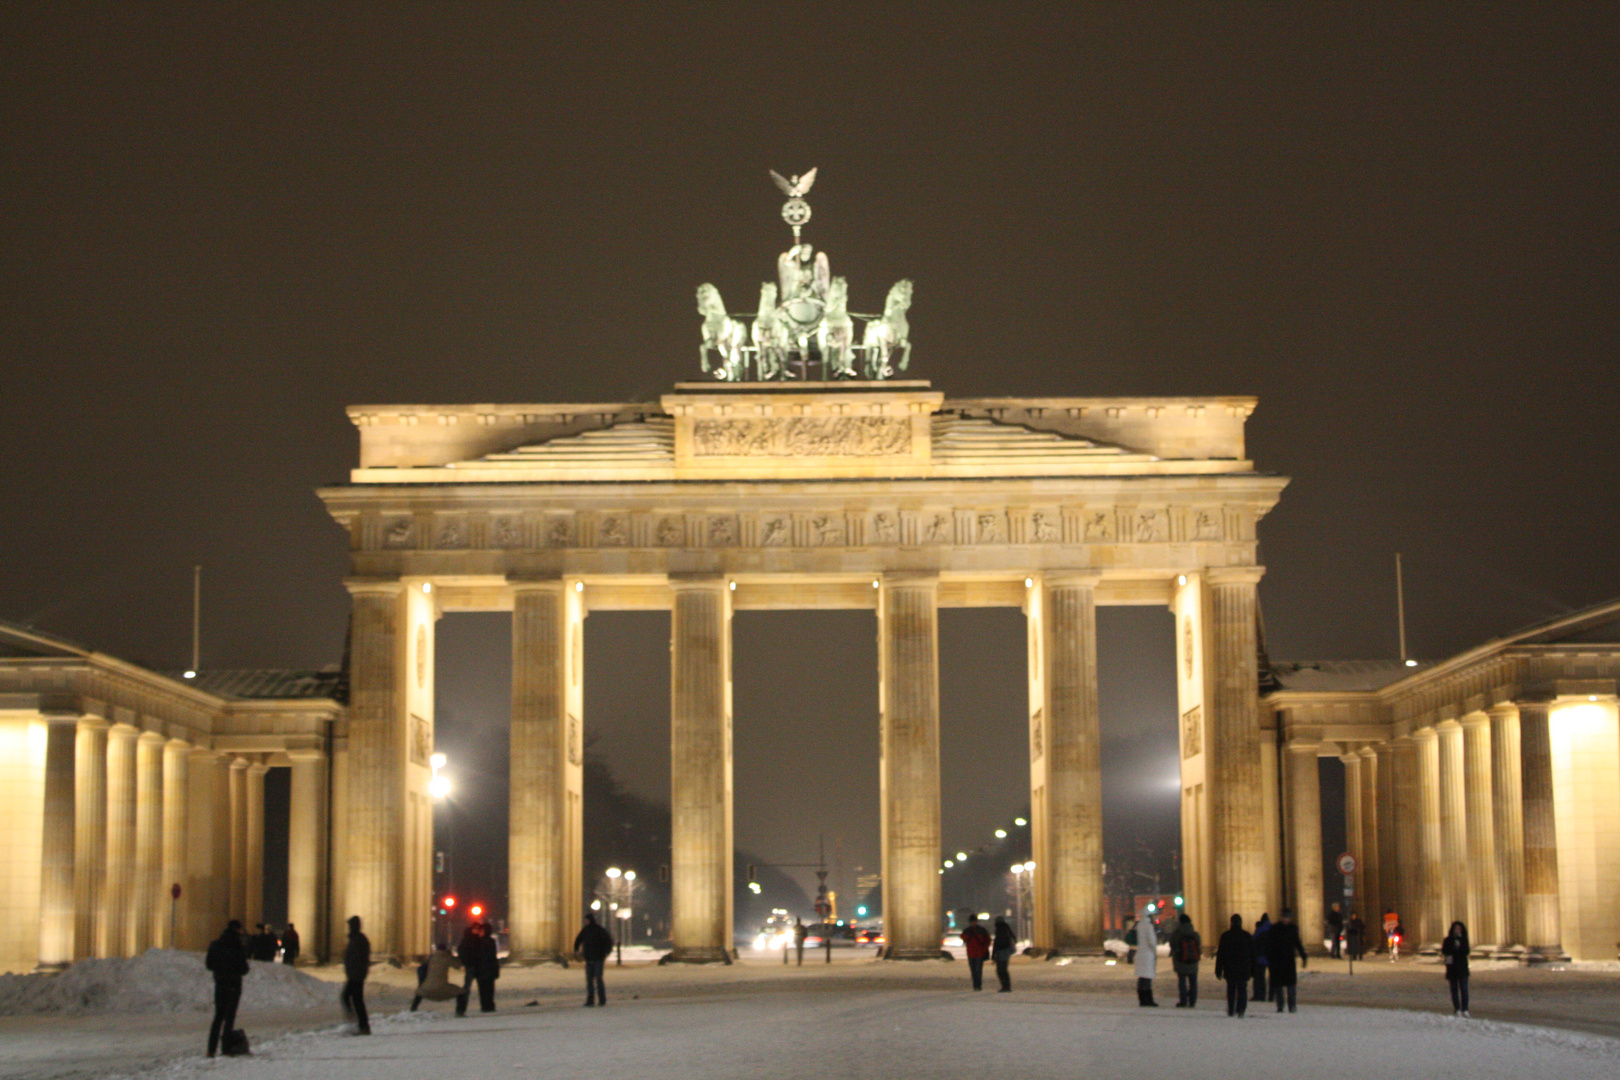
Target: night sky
[(222, 226)]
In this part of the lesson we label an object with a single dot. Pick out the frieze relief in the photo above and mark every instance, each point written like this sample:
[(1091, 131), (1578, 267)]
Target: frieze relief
[(398, 533), (803, 436), (452, 533)]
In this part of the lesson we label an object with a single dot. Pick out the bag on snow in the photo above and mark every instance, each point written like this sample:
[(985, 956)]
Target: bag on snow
[(235, 1044)]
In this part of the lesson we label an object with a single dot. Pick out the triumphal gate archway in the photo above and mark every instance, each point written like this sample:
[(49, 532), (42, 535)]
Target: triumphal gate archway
[(772, 489)]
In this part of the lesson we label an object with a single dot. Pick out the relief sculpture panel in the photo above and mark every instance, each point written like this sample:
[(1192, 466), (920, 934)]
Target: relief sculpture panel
[(803, 436)]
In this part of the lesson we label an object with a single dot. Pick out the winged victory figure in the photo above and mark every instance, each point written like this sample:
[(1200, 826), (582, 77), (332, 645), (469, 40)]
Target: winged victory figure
[(797, 187)]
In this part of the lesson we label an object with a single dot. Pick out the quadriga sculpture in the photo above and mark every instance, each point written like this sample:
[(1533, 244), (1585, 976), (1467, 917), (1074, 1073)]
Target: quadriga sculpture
[(883, 336), (767, 334), (721, 333), (835, 338)]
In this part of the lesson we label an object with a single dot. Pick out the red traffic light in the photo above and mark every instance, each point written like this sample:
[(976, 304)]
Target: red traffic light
[(476, 910), (449, 901)]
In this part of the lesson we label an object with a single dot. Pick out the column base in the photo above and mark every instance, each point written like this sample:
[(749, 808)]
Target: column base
[(897, 952), (1544, 954), (696, 955), (54, 968)]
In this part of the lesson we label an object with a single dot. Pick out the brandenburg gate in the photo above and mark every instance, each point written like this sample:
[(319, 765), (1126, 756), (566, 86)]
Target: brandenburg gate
[(729, 496)]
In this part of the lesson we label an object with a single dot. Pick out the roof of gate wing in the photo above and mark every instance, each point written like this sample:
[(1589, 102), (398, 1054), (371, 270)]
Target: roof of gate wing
[(960, 439)]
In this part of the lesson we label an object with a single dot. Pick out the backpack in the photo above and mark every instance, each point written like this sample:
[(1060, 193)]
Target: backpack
[(1192, 950), (235, 1044), (1130, 937)]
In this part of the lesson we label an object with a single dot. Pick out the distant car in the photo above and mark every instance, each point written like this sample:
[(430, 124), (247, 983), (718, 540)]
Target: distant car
[(819, 934), (870, 937), (952, 940)]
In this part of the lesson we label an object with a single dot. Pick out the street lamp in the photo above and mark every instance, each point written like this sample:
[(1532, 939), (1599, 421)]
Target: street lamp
[(619, 893)]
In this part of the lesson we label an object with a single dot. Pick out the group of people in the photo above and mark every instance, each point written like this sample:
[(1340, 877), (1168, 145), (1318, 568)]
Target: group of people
[(264, 944), (980, 946), (477, 955), (1239, 958), (1346, 937)]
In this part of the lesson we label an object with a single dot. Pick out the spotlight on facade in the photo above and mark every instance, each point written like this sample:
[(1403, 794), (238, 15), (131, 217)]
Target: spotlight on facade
[(1029, 583), (191, 675), (437, 761), (427, 586), (439, 787), (733, 586), (1181, 579), (579, 586)]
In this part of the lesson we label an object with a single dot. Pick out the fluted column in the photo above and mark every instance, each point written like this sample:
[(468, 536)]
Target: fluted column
[(1371, 873), (1334, 888), (1431, 884), (1407, 799), (544, 847), (1542, 918), (90, 839), (238, 879), (148, 838), (176, 825), (1305, 840), (57, 845), (1507, 818), (1068, 803), (1389, 856), (1232, 754), (908, 697), (207, 897), (254, 840), (700, 760), (306, 849), (1484, 925), (1455, 874), (120, 926), (378, 727)]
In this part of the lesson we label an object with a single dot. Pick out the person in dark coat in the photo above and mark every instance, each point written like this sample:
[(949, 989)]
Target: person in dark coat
[(1262, 935), (1282, 945), (1234, 962), (290, 945), (1355, 937), (489, 968), (356, 966), (595, 944), (1455, 950), (800, 932), (976, 941), (264, 945), (1001, 951), (1186, 949), (228, 960)]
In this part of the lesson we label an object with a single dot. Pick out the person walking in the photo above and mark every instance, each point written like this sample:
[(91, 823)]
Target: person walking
[(1262, 937), (433, 980), (1147, 958), (227, 959), (1186, 949), (1234, 962), (1355, 937), (356, 966), (290, 945), (976, 940), (489, 967), (799, 933), (1282, 945), (1335, 927), (1001, 951), (595, 944), (1455, 950)]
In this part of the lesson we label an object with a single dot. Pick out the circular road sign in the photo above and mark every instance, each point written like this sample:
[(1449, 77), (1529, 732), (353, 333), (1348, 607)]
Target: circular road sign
[(1347, 864)]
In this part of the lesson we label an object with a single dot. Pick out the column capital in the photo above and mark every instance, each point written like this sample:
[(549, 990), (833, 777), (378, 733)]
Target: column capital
[(536, 583), (1234, 575), (708, 582), (1369, 751), (1305, 744), (1425, 734), (1502, 710), (1476, 719), (306, 754), (909, 579), (1069, 578), (92, 723), (238, 763), (374, 586), (152, 736)]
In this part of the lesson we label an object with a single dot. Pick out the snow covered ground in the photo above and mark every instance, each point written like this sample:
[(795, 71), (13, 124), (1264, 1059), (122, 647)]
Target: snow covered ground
[(859, 1018)]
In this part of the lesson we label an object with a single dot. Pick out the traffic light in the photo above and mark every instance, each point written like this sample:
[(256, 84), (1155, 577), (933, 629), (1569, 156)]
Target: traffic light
[(449, 902), (1181, 901), (476, 910)]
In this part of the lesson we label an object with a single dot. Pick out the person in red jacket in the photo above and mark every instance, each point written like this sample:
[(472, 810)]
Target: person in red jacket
[(976, 940)]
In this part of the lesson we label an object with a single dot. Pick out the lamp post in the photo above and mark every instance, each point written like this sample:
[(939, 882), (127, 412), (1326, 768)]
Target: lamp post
[(439, 792), (619, 892)]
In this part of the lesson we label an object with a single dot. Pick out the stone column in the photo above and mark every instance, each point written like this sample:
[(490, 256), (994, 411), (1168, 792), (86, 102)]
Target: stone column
[(544, 850), (1069, 805), (207, 897), (378, 727), (90, 839), (57, 844), (908, 703), (176, 826), (1232, 754), (1371, 876), (254, 864), (1389, 856), (1305, 840), (119, 929), (148, 838), (1409, 845), (1507, 820), (306, 850), (1333, 889), (700, 760), (1542, 929), (1430, 895), (1455, 876), (238, 840), (1484, 925)]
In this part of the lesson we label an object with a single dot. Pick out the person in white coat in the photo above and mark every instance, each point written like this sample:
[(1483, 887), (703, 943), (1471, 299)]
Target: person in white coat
[(1147, 958)]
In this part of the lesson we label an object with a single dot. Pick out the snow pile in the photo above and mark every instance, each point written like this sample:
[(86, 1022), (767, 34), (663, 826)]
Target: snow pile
[(158, 981)]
